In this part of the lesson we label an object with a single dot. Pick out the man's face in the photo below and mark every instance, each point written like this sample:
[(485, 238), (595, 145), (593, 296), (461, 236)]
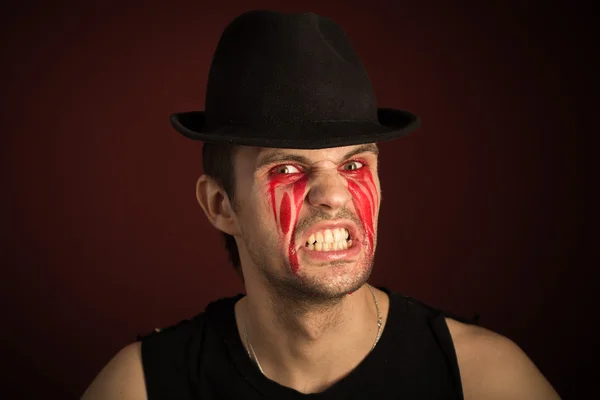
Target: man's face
[(308, 218)]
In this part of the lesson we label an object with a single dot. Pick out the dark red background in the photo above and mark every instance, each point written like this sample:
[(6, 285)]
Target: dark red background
[(102, 237)]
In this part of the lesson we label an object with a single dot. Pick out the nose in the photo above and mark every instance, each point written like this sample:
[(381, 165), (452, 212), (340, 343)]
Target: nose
[(329, 191)]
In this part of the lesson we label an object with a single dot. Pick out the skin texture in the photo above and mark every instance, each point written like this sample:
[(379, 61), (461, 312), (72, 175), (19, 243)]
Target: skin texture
[(122, 378), (492, 367), (312, 322)]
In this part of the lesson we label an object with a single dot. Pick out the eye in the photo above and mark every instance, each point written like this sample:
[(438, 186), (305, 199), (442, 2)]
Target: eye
[(354, 165), (286, 169)]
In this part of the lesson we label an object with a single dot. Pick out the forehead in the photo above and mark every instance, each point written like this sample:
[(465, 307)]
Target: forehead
[(265, 155)]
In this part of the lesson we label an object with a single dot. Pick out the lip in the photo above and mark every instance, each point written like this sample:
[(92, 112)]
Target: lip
[(321, 226), (333, 255)]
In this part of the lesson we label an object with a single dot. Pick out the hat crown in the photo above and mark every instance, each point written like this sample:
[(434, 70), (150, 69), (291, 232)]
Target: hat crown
[(288, 68)]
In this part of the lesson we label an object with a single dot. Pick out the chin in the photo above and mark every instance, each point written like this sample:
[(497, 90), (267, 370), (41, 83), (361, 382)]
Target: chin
[(333, 280)]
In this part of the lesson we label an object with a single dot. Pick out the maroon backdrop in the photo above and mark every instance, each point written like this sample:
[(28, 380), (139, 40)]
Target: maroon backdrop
[(102, 237)]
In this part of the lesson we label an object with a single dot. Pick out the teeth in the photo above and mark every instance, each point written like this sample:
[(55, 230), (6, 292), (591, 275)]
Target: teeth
[(335, 246), (329, 240), (329, 236), (324, 246), (319, 237)]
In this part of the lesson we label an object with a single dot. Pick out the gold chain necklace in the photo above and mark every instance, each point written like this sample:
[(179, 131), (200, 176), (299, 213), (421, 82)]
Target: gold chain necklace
[(253, 356)]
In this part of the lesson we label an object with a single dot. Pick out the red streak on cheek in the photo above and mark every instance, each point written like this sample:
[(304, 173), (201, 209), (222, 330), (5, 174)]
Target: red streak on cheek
[(362, 176), (370, 190), (374, 194), (363, 207), (299, 191), (285, 213), (272, 186), (369, 176)]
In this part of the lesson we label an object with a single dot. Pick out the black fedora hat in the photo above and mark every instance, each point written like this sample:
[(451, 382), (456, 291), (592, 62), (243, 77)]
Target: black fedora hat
[(290, 81)]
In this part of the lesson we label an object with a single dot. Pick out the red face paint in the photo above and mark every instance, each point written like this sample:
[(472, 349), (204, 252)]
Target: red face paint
[(285, 213), (294, 186), (364, 195), (299, 189), (272, 186)]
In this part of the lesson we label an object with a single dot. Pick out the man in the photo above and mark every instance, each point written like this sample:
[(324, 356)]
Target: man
[(291, 179)]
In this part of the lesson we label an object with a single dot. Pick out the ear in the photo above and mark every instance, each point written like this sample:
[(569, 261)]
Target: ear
[(216, 205)]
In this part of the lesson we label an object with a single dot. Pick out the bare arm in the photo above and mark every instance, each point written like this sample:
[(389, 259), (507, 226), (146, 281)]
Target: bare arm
[(492, 367), (122, 378)]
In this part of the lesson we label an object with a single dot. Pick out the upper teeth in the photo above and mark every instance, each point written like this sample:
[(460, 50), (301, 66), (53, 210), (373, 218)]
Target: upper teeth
[(329, 236)]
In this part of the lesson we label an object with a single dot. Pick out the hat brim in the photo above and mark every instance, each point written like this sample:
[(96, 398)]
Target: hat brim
[(391, 124)]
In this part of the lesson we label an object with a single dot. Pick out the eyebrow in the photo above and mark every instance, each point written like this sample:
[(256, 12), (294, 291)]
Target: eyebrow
[(280, 156)]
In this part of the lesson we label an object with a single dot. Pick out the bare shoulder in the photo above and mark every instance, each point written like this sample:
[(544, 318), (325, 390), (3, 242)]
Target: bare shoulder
[(121, 378), (494, 367)]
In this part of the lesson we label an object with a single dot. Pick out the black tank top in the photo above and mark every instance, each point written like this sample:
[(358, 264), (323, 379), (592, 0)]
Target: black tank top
[(204, 358)]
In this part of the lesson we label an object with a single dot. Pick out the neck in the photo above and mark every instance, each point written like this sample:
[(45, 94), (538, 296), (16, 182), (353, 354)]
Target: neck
[(310, 345)]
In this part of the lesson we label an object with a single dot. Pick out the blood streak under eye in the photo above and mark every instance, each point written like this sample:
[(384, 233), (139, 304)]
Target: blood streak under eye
[(287, 208), (299, 189), (286, 213), (362, 201)]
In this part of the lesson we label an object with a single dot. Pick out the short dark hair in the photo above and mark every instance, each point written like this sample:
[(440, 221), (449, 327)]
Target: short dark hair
[(217, 162)]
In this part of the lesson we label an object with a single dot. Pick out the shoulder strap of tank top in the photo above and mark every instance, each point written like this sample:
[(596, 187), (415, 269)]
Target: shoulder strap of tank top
[(444, 339)]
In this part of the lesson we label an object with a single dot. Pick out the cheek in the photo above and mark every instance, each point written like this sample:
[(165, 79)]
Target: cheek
[(365, 195), (258, 211), (283, 198), (272, 198), (278, 204)]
